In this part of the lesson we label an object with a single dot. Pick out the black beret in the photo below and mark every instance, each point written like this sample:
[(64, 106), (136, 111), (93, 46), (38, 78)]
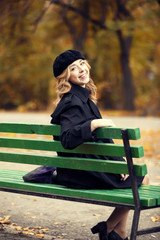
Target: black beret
[(63, 60)]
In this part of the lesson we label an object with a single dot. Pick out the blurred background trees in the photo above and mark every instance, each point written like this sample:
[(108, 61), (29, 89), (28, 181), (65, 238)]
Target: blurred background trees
[(121, 39)]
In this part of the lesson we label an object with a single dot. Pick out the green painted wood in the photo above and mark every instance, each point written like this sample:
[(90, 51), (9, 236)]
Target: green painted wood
[(153, 190), (74, 163), (151, 187), (52, 129), (113, 195), (88, 148), (150, 192), (115, 133), (27, 128)]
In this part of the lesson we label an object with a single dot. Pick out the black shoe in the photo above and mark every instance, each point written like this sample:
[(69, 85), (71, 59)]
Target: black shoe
[(100, 228), (114, 236)]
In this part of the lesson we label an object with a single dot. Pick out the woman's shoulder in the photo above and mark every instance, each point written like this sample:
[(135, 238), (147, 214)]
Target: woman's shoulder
[(68, 101)]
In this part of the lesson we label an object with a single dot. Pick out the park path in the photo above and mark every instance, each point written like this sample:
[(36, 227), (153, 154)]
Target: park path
[(145, 123)]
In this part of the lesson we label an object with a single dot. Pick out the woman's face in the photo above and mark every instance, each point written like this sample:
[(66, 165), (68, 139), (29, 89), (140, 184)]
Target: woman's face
[(79, 73)]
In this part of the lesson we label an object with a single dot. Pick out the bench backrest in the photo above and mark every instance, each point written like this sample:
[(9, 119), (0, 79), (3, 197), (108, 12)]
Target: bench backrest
[(39, 137)]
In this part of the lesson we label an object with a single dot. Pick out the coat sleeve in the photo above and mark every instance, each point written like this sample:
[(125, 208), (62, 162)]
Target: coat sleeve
[(74, 129)]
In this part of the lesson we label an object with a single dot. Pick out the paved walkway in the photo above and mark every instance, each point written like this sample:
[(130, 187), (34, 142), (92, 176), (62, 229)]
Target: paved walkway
[(64, 220), (141, 122)]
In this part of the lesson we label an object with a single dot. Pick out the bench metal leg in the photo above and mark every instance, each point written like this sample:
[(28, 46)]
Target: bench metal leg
[(148, 230), (135, 224)]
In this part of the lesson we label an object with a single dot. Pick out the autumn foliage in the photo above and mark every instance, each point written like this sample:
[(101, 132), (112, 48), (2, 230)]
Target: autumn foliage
[(121, 39)]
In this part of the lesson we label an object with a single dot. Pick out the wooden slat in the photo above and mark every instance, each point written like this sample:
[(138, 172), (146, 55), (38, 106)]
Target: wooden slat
[(87, 148), (74, 163), (114, 195), (52, 129), (151, 188), (146, 191), (115, 133), (27, 128)]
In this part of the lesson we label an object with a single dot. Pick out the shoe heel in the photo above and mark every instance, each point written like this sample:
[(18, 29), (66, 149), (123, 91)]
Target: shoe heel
[(95, 229), (100, 227)]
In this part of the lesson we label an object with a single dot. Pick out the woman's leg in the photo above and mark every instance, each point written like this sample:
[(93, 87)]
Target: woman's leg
[(118, 221), (146, 180)]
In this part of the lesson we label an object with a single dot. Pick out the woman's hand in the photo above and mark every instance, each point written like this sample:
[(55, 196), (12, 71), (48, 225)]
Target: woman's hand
[(96, 123), (124, 177)]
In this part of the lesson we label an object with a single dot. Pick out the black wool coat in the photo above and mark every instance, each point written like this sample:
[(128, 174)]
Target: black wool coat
[(74, 113)]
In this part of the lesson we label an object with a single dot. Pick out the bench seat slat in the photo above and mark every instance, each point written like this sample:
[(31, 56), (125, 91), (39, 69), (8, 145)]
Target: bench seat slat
[(88, 148), (114, 195), (145, 193), (74, 163), (52, 129), (152, 187)]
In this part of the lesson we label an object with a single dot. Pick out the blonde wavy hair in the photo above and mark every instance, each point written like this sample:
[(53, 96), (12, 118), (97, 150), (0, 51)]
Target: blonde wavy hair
[(63, 85)]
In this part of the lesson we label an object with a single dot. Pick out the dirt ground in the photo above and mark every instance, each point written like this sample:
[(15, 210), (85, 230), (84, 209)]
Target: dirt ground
[(58, 219)]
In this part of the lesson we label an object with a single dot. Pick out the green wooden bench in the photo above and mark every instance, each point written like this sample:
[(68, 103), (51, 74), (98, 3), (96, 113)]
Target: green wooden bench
[(27, 136)]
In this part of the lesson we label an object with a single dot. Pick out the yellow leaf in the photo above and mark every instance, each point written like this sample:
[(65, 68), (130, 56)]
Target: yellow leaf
[(39, 235), (155, 219), (6, 220), (37, 227), (26, 229), (96, 214), (14, 224), (45, 229), (57, 223), (19, 228)]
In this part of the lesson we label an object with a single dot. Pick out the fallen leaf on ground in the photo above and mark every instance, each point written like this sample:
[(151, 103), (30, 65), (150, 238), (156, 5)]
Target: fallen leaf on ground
[(26, 229), (19, 228), (96, 214), (14, 224), (37, 227), (5, 220), (57, 223), (45, 229), (39, 235), (155, 219)]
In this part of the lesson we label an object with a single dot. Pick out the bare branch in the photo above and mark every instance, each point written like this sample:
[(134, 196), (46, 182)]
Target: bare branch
[(80, 12), (39, 18)]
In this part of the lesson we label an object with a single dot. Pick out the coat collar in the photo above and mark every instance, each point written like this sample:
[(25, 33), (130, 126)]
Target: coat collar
[(80, 92), (83, 94)]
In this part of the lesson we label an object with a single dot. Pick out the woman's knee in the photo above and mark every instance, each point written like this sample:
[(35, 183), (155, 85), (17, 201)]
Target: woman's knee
[(146, 180)]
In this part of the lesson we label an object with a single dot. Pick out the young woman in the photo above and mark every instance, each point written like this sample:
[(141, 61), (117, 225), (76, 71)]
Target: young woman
[(79, 116)]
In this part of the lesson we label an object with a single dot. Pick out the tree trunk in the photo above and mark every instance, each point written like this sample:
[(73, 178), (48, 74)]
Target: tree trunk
[(128, 88), (78, 32)]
